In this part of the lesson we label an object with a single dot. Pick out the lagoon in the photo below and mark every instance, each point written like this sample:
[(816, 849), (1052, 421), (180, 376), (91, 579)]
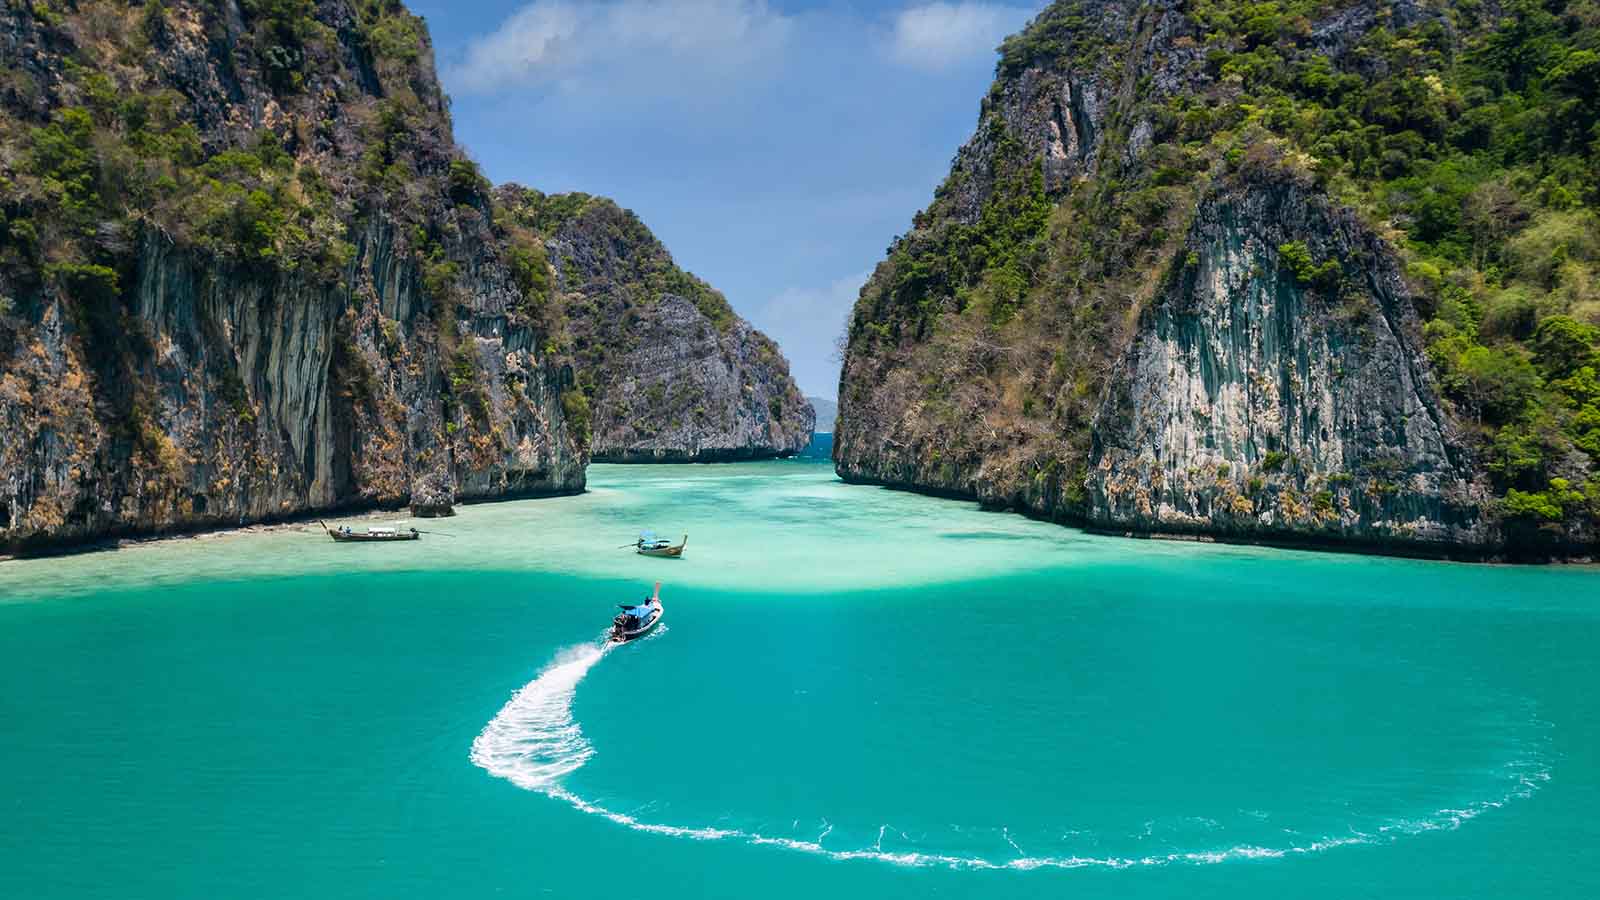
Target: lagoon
[(855, 691)]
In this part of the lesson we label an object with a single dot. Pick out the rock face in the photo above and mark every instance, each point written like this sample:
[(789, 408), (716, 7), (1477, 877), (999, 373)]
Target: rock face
[(212, 317), (245, 274), (1253, 405), (1123, 312), (684, 391), (673, 375)]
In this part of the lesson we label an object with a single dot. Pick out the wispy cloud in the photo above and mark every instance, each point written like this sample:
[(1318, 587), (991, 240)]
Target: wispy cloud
[(555, 42), (771, 144), (940, 35)]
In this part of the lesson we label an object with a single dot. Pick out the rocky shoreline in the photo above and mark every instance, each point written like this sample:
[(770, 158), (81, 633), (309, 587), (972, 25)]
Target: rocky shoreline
[(304, 521), (307, 523), (305, 298), (1465, 553), (712, 455), (1127, 311)]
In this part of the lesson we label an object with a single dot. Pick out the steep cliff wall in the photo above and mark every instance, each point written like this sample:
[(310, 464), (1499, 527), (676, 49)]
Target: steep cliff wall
[(671, 373), (246, 275), (1231, 270), (1252, 404)]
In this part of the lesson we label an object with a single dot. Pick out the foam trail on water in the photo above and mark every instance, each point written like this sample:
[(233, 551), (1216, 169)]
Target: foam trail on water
[(533, 741)]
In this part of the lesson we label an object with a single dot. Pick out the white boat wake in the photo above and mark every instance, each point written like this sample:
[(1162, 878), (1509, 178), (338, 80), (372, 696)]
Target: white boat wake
[(533, 742)]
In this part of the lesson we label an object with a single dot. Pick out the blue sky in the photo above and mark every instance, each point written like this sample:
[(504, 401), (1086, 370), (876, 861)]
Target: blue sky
[(776, 148)]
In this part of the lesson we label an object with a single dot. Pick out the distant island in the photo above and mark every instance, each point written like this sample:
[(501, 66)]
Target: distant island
[(826, 411)]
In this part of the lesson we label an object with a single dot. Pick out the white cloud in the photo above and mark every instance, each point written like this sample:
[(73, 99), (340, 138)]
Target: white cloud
[(806, 323), (939, 35), (655, 41)]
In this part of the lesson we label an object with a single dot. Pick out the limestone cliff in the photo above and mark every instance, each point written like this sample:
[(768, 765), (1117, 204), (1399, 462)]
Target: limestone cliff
[(1249, 404), (1155, 296), (671, 373), (219, 304), (245, 274)]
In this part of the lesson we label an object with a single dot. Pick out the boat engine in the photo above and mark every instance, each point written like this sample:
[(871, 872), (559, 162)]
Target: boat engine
[(622, 624)]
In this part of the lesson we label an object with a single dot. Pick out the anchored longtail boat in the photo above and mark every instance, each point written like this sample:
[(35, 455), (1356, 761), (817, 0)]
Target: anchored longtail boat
[(650, 545), (344, 534)]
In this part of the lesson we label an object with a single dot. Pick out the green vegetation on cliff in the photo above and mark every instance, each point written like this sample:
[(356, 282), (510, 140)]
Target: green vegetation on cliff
[(1474, 135), (665, 369), (266, 140), (246, 272), (1464, 134), (119, 148), (645, 265)]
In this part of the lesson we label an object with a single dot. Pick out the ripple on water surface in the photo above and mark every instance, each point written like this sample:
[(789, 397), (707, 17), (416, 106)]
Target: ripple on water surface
[(536, 743), (784, 525), (954, 688)]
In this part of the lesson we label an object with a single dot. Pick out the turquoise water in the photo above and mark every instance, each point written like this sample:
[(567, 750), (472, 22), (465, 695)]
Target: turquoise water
[(854, 691)]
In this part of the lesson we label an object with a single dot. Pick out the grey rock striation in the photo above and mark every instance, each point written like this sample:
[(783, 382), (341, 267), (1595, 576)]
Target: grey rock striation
[(674, 375), (1182, 344)]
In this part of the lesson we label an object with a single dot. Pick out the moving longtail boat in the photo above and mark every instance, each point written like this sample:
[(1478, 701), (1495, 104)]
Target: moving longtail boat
[(636, 621), (650, 545), (344, 534)]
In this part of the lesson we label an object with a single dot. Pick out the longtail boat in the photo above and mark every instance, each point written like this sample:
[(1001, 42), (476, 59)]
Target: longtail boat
[(650, 545), (344, 534), (636, 621)]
